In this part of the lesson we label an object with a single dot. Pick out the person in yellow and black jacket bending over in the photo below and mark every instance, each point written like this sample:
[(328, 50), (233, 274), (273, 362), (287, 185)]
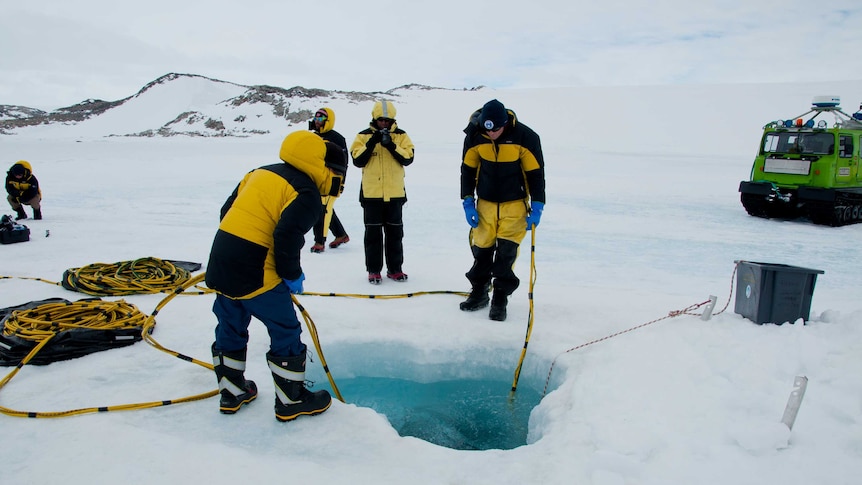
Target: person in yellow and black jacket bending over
[(22, 188), (503, 194), (382, 151), (254, 265)]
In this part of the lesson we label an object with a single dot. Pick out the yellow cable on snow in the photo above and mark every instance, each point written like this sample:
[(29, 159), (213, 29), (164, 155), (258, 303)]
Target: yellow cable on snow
[(531, 315), (388, 297), (140, 276), (312, 329), (44, 322), (147, 276)]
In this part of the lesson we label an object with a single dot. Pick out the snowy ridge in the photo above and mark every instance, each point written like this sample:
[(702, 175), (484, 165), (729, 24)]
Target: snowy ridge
[(185, 104)]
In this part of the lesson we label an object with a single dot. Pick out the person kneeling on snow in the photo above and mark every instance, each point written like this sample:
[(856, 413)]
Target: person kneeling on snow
[(254, 265), (23, 189)]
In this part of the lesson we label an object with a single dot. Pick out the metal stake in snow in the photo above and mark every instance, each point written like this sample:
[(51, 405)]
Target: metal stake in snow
[(794, 401), (707, 310)]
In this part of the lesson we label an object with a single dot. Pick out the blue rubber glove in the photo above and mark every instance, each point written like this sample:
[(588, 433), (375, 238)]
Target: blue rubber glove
[(535, 214), (470, 211), (295, 286)]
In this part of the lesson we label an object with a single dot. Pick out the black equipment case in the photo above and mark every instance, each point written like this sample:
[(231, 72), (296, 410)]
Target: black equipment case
[(12, 232)]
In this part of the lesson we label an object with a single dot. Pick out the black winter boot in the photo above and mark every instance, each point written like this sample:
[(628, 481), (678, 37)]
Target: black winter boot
[(21, 214), (37, 214), (478, 299), (234, 388), (498, 307), (292, 399)]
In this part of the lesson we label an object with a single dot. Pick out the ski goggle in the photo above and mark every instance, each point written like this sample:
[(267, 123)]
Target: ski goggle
[(320, 116)]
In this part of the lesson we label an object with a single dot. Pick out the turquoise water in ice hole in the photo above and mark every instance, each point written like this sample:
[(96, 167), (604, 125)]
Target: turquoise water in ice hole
[(469, 414)]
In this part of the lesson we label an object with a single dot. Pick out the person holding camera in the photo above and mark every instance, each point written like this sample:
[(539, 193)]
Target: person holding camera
[(382, 151)]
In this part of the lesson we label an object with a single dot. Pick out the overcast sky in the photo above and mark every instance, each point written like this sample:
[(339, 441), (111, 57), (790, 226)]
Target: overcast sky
[(58, 53)]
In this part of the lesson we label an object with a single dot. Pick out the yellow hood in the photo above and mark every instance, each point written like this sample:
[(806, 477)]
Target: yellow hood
[(306, 151), (383, 109), (329, 124), (28, 170)]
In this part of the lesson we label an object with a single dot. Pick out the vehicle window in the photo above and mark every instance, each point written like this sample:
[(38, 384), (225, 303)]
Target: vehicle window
[(805, 143), (846, 146)]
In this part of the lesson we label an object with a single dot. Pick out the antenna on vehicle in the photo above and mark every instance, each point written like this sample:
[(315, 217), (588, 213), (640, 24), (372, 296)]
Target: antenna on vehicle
[(822, 104)]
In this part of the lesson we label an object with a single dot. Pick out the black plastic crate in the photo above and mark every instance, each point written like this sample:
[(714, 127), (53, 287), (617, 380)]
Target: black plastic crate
[(774, 293)]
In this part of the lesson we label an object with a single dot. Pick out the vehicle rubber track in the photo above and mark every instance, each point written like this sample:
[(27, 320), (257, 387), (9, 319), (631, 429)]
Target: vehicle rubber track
[(845, 210)]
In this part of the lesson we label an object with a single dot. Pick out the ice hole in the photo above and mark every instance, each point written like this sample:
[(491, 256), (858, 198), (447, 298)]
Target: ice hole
[(459, 399)]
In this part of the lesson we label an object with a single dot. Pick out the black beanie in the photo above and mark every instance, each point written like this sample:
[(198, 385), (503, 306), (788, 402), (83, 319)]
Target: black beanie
[(493, 115), (17, 169), (336, 158)]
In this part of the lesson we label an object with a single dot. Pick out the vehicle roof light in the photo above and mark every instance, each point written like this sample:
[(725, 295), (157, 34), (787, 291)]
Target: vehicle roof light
[(809, 124), (821, 124), (788, 123), (798, 121)]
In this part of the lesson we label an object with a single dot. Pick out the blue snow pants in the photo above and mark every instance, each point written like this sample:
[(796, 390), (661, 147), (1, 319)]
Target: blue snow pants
[(274, 308)]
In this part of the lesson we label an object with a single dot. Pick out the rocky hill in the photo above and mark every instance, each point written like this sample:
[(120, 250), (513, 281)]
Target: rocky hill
[(189, 105)]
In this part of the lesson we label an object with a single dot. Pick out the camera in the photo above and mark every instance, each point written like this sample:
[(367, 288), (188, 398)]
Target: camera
[(385, 138)]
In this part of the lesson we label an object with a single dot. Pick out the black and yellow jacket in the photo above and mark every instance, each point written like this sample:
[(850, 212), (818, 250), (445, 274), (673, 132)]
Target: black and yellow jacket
[(23, 189), (510, 168), (264, 221), (382, 168)]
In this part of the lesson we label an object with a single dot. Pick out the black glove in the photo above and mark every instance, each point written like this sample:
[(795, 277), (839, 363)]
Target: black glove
[(375, 139)]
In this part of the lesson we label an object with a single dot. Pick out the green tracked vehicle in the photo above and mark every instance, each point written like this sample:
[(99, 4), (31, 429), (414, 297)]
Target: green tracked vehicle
[(807, 168)]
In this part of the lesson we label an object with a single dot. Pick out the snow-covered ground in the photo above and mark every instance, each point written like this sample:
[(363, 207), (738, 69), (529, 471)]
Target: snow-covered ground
[(643, 219)]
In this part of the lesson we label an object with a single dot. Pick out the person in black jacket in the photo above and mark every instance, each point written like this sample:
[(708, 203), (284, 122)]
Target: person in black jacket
[(254, 266), (323, 124), (22, 188), (503, 194)]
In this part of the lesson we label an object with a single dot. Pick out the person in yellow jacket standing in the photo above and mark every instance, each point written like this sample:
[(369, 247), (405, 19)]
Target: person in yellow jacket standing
[(382, 151), (22, 188), (254, 266)]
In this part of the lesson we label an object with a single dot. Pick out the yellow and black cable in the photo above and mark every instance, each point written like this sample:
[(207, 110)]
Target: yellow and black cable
[(140, 276), (44, 322), (146, 275)]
